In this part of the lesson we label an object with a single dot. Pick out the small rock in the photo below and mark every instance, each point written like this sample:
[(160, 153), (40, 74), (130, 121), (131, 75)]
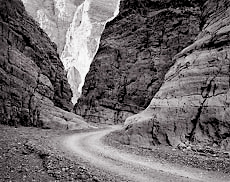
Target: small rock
[(181, 146)]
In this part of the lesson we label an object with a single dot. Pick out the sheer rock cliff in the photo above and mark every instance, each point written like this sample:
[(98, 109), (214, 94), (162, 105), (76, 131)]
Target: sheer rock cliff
[(33, 86), (135, 52), (192, 105), (55, 18)]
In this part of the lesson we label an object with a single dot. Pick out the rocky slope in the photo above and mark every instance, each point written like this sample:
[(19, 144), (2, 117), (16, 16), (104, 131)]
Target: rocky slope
[(76, 27), (193, 103), (33, 86), (135, 52)]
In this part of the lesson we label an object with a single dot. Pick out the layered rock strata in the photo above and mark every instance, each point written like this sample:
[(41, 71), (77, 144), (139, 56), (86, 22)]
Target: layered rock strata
[(135, 52), (55, 18), (76, 27), (193, 103), (33, 86), (84, 33)]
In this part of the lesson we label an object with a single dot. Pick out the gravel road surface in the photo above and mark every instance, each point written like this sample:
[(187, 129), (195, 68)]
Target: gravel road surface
[(90, 148)]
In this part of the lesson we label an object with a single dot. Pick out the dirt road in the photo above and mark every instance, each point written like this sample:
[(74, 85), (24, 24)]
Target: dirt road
[(90, 148)]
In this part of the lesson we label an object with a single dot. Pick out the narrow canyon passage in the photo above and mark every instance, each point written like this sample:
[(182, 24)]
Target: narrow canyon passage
[(89, 147), (76, 28)]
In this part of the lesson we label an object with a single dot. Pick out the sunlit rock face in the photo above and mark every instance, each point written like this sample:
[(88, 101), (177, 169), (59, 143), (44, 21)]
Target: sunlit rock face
[(135, 52), (85, 32), (73, 77), (75, 26), (193, 103), (54, 17)]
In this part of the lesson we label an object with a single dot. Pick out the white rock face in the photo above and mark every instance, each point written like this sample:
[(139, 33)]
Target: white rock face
[(74, 77), (84, 34), (54, 16), (76, 27)]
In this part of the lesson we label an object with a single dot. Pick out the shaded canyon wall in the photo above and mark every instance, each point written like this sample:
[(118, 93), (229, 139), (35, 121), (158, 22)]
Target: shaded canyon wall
[(33, 86)]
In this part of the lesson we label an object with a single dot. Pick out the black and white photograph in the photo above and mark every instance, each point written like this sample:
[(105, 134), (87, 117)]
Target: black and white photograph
[(114, 90)]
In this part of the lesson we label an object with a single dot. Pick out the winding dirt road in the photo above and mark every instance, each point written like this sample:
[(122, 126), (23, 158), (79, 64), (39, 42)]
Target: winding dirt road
[(89, 147)]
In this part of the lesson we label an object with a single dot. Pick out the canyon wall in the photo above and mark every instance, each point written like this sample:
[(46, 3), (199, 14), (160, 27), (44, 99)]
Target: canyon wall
[(193, 103), (135, 52), (55, 18), (33, 86), (76, 27)]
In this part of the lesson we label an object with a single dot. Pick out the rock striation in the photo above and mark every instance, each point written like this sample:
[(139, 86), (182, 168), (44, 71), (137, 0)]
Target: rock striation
[(193, 103), (84, 33), (55, 18), (135, 52), (76, 27), (33, 86)]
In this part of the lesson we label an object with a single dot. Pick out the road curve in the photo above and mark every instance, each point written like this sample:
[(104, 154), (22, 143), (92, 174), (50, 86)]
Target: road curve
[(89, 147)]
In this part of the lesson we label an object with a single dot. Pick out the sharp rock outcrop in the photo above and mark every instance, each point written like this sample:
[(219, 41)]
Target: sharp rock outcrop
[(33, 86), (193, 103), (135, 52)]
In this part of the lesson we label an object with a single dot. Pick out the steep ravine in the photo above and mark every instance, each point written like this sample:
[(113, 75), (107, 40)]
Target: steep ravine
[(55, 17), (135, 52), (33, 86), (76, 27)]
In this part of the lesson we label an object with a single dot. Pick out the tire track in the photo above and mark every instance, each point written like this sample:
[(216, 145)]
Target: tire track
[(91, 149)]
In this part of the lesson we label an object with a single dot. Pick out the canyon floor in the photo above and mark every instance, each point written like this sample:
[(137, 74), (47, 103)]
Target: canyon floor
[(33, 154)]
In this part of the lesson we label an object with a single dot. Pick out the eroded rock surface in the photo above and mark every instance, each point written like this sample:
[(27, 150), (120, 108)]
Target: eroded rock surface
[(33, 86), (76, 27), (193, 103), (55, 18), (84, 33), (135, 52), (74, 78)]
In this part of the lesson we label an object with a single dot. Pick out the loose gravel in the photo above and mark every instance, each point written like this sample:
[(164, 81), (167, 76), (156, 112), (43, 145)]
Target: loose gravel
[(30, 154), (202, 157), (33, 154)]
